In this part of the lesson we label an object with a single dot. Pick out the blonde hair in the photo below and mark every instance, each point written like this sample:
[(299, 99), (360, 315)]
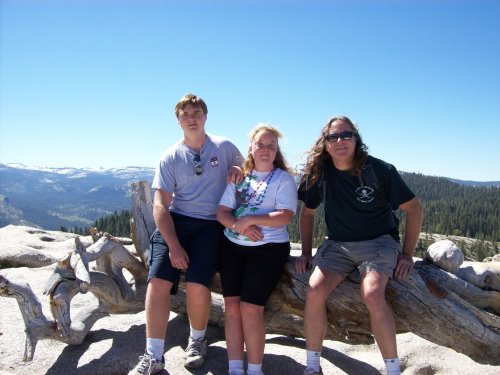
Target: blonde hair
[(279, 160)]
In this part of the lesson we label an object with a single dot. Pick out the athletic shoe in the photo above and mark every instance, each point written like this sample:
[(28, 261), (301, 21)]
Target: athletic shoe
[(149, 365), (308, 371), (196, 352)]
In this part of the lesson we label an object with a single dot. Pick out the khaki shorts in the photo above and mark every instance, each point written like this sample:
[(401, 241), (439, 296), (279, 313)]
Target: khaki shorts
[(380, 255)]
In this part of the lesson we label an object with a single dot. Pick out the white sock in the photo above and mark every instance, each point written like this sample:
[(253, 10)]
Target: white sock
[(254, 369), (313, 360), (195, 334), (392, 366), (155, 347), (236, 365)]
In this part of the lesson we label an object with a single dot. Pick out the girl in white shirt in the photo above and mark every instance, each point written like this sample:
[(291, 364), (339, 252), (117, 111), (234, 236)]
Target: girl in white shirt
[(255, 213)]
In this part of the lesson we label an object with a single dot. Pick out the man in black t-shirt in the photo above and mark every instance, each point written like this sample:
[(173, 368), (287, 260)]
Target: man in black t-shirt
[(359, 193)]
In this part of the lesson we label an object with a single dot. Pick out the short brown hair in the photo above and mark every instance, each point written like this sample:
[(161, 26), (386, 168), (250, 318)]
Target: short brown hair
[(192, 99)]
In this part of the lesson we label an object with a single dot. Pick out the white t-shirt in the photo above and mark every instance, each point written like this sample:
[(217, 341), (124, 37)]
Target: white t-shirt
[(261, 193)]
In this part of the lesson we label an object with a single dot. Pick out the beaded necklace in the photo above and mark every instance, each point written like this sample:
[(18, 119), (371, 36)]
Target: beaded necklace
[(259, 199)]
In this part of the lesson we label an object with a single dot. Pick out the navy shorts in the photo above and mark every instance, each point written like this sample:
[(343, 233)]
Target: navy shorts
[(200, 238), (252, 272)]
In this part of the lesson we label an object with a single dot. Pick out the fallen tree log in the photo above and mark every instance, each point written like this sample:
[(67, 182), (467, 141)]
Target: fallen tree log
[(420, 305), (432, 303)]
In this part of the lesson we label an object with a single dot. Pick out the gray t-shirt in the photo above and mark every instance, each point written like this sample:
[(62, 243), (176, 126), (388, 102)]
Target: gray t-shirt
[(196, 195)]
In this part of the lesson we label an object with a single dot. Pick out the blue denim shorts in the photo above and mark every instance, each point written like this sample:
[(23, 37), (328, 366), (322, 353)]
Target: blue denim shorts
[(200, 238), (380, 255)]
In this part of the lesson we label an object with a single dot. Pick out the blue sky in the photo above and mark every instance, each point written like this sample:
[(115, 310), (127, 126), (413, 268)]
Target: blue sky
[(94, 83)]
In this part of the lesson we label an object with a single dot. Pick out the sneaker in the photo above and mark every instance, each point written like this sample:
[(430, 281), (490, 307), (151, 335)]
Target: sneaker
[(308, 371), (237, 372), (196, 352), (149, 365)]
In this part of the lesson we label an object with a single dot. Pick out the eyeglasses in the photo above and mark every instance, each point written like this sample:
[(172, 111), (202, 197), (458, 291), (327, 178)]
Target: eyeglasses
[(334, 137), (198, 169)]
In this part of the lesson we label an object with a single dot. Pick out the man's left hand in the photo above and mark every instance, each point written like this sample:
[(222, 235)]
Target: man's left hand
[(403, 267)]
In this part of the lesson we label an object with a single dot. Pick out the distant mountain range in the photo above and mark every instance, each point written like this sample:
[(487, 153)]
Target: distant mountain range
[(476, 183), (69, 197)]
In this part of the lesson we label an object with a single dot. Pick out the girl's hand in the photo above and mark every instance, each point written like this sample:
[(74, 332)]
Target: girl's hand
[(253, 232)]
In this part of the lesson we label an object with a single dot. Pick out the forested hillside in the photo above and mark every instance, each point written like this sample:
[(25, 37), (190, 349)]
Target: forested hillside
[(117, 224), (454, 209), (450, 209)]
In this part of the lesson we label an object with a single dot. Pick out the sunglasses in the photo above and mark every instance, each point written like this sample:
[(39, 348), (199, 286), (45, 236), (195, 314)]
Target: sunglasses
[(334, 137), (198, 169)]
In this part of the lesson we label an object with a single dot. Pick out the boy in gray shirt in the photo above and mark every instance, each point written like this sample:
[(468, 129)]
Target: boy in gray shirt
[(189, 181)]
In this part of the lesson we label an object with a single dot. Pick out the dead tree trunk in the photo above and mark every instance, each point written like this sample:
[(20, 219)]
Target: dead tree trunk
[(142, 224), (432, 303), (71, 276)]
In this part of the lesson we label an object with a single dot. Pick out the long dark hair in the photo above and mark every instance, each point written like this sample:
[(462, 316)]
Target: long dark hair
[(317, 156)]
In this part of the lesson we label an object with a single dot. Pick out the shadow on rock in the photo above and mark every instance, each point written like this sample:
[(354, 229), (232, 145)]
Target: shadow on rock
[(341, 361), (121, 358)]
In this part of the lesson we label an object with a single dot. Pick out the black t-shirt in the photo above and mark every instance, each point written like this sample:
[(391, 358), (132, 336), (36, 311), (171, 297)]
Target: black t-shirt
[(354, 210)]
